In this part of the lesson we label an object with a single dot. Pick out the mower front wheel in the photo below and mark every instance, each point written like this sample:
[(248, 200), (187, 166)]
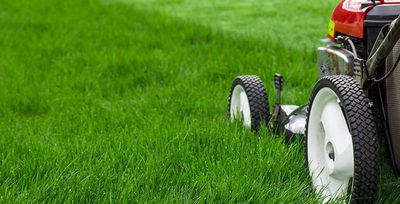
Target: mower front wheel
[(248, 101), (341, 141)]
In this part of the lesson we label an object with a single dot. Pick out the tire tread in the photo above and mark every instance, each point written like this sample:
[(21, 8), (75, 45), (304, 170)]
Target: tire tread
[(362, 127), (257, 96)]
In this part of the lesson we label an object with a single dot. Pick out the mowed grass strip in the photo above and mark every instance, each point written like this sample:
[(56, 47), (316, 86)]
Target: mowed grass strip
[(294, 23), (112, 103)]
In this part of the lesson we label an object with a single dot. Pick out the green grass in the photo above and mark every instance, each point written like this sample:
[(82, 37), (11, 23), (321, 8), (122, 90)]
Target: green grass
[(125, 101)]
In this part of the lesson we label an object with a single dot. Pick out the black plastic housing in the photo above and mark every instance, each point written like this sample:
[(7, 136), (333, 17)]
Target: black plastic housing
[(389, 97), (376, 18)]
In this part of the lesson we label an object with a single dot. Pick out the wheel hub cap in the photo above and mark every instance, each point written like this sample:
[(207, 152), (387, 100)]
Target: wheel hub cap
[(240, 108), (330, 146)]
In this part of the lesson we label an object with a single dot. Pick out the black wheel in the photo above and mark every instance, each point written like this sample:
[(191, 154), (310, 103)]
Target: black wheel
[(248, 101), (342, 149)]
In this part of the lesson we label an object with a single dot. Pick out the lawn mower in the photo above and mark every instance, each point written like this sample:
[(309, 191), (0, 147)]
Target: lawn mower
[(354, 105)]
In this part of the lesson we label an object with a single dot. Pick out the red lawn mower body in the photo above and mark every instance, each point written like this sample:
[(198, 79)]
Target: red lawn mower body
[(348, 19), (350, 15)]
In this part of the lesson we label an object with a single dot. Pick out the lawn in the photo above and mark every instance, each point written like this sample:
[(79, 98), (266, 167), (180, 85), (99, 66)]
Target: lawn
[(123, 101)]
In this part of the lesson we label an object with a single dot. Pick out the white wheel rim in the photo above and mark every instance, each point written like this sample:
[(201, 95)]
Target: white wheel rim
[(240, 108), (329, 146)]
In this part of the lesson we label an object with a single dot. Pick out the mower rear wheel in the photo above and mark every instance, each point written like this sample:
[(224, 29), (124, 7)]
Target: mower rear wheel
[(341, 141), (248, 101)]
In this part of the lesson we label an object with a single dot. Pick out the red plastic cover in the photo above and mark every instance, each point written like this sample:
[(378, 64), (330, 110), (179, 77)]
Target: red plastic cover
[(348, 18)]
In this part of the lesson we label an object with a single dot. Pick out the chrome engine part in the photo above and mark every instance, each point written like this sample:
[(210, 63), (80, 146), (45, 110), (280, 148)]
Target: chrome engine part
[(335, 61)]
